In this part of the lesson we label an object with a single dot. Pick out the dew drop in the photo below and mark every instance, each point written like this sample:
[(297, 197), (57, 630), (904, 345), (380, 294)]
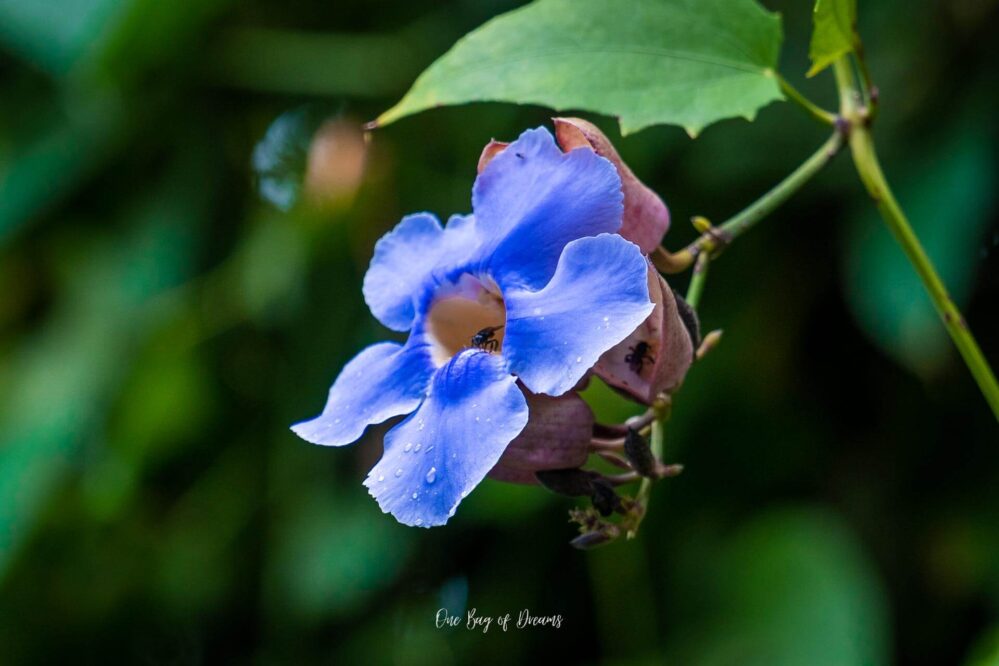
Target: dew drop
[(476, 419), (579, 359), (432, 475), (419, 521), (381, 477), (398, 473), (336, 420), (408, 447), (415, 495), (464, 494), (418, 446), (430, 448), (606, 318)]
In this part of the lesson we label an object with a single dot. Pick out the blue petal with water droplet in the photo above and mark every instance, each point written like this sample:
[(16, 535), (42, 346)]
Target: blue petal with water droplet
[(384, 380), (598, 295), (443, 450)]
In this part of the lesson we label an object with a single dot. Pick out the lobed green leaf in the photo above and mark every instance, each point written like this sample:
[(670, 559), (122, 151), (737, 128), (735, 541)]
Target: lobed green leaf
[(647, 62), (834, 34)]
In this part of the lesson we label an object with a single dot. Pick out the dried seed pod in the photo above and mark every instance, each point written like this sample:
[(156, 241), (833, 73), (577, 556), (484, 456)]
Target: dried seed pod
[(689, 318), (593, 539), (605, 498), (570, 482), (639, 453)]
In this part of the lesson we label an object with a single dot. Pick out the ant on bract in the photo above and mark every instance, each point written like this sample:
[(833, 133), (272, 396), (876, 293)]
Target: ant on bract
[(638, 357)]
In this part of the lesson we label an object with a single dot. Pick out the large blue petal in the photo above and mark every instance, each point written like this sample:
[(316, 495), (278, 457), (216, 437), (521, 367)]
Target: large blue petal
[(598, 295), (405, 259), (436, 456), (384, 380), (532, 199)]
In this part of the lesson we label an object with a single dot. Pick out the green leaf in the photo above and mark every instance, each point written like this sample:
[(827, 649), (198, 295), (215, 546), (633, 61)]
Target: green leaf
[(646, 61), (834, 34)]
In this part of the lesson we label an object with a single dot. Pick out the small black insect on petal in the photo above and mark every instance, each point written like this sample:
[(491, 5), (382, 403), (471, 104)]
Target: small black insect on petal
[(638, 357), (485, 339)]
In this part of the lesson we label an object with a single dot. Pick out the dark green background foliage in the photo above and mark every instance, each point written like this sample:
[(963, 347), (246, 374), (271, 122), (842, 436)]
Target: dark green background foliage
[(161, 325)]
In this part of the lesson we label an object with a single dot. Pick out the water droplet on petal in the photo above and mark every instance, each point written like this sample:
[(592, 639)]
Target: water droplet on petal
[(432, 475), (408, 447), (419, 521), (430, 448), (579, 359), (606, 318), (418, 446), (381, 477), (398, 473), (415, 495), (336, 420)]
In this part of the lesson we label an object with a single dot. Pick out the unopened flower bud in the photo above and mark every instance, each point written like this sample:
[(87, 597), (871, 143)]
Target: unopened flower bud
[(639, 454)]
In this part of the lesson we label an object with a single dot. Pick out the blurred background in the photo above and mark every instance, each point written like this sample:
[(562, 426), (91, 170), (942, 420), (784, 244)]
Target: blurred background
[(187, 208)]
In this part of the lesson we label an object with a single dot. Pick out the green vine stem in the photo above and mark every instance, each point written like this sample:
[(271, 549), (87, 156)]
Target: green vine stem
[(812, 109), (866, 160), (716, 238), (661, 410), (697, 280)]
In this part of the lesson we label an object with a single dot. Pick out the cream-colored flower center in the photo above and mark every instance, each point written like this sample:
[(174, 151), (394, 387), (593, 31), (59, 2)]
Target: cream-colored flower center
[(469, 314)]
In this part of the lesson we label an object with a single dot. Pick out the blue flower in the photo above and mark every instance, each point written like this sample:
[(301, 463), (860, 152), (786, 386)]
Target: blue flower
[(538, 271)]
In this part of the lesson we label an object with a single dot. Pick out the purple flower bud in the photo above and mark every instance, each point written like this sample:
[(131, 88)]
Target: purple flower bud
[(557, 436)]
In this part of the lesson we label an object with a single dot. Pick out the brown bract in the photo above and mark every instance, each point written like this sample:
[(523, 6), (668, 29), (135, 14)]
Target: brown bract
[(557, 436), (668, 351)]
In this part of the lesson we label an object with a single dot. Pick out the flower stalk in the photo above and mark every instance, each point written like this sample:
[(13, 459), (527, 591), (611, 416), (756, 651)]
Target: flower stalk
[(812, 109), (661, 410), (697, 280), (714, 239), (869, 168)]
